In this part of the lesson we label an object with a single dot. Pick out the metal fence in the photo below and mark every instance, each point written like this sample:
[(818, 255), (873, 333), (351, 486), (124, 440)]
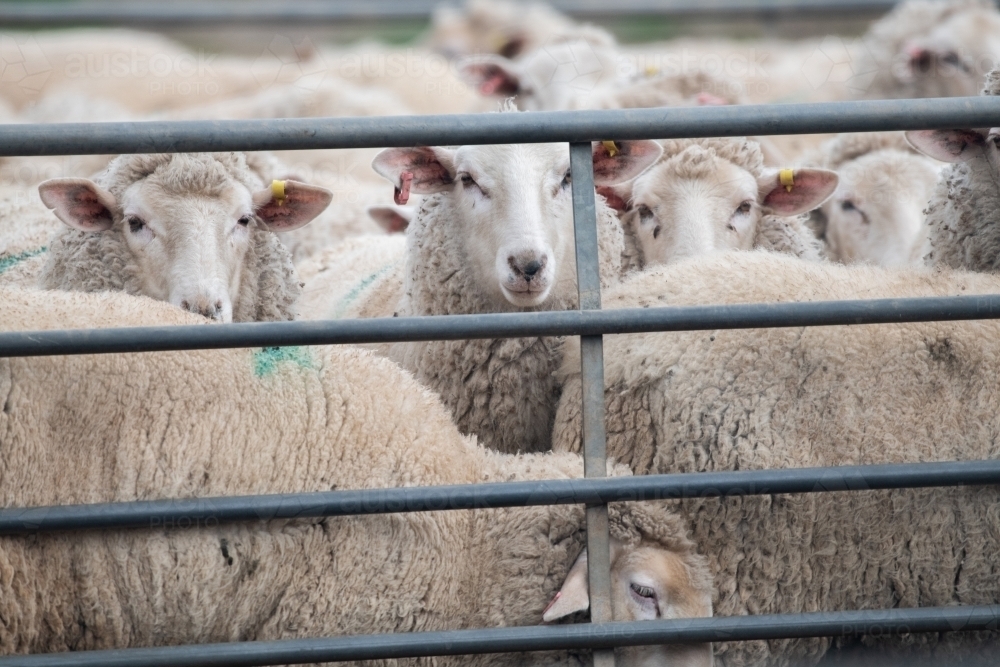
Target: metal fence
[(187, 13), (591, 323)]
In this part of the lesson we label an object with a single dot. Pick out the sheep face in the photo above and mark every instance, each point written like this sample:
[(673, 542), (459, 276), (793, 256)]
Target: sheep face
[(952, 59), (876, 214), (648, 583), (192, 245), (696, 203), (513, 206)]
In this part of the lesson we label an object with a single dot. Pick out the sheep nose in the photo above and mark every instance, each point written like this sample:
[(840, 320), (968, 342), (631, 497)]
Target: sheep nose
[(920, 59), (205, 307), (527, 267)]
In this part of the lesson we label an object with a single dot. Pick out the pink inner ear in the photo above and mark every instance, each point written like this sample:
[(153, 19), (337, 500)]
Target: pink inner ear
[(76, 204), (401, 195), (612, 198), (809, 190), (302, 203), (552, 603)]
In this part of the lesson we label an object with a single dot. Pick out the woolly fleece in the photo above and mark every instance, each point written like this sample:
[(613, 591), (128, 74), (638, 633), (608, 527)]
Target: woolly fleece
[(79, 429), (503, 390), (964, 210), (87, 262), (797, 397)]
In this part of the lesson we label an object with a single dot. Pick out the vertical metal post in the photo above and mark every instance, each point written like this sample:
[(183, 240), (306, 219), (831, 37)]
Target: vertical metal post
[(588, 278)]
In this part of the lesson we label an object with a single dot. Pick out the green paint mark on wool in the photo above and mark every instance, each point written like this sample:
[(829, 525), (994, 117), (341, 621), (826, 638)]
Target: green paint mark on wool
[(350, 297), (10, 261), (266, 360)]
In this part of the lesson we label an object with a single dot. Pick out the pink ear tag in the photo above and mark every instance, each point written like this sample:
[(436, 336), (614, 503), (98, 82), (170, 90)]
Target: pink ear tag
[(402, 194)]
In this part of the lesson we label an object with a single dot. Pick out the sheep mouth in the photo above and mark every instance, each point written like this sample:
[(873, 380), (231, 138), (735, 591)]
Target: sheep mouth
[(525, 295)]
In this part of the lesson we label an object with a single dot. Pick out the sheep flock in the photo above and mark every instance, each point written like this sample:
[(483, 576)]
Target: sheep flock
[(107, 241)]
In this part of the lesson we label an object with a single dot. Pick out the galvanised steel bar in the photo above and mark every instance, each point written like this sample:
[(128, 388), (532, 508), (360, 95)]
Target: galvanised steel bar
[(531, 638), (500, 325), (193, 512), (315, 12), (491, 128), (595, 456)]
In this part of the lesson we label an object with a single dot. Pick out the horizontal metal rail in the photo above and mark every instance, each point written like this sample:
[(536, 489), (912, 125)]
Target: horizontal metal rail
[(492, 128), (314, 13), (497, 325), (195, 512), (532, 638)]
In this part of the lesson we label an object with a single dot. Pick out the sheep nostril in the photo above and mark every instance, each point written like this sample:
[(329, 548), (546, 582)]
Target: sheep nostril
[(531, 268), (218, 305), (185, 305)]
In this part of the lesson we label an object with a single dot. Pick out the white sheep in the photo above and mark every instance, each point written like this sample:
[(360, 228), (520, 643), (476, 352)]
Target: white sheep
[(928, 48), (509, 29), (191, 229), (964, 209), (815, 396), (279, 420), (26, 228), (876, 215), (497, 236), (585, 70), (711, 195)]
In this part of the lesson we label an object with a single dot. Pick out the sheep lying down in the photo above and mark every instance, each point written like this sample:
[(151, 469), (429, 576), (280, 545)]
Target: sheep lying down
[(195, 230), (820, 396), (192, 424)]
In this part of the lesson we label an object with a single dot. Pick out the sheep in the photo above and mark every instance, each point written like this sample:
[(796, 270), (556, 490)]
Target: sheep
[(962, 214), (191, 229), (924, 48), (798, 397), (76, 433), (598, 76), (508, 29), (710, 195), (26, 227), (497, 236), (876, 214)]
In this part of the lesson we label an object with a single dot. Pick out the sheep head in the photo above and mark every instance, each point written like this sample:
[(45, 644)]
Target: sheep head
[(188, 225), (697, 202), (514, 206), (648, 583)]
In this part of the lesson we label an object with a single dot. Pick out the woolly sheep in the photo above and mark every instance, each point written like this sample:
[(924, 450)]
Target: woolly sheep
[(798, 397), (191, 229), (497, 236), (710, 195), (542, 81), (927, 48), (330, 423), (962, 215), (876, 214), (509, 29)]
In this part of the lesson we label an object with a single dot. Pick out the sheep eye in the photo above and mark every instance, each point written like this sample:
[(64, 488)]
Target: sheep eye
[(136, 225), (643, 591), (644, 213), (950, 58), (567, 179), (656, 231), (848, 205), (244, 221), (467, 180), (744, 207)]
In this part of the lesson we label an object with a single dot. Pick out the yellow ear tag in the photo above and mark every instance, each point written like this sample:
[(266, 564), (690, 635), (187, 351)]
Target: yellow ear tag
[(651, 70), (278, 191), (611, 147), (786, 177)]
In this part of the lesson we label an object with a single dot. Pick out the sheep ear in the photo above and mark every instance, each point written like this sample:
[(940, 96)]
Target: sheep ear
[(617, 197), (947, 145), (491, 75), (618, 161), (423, 170), (79, 203), (393, 219), (288, 205), (574, 595), (794, 191)]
